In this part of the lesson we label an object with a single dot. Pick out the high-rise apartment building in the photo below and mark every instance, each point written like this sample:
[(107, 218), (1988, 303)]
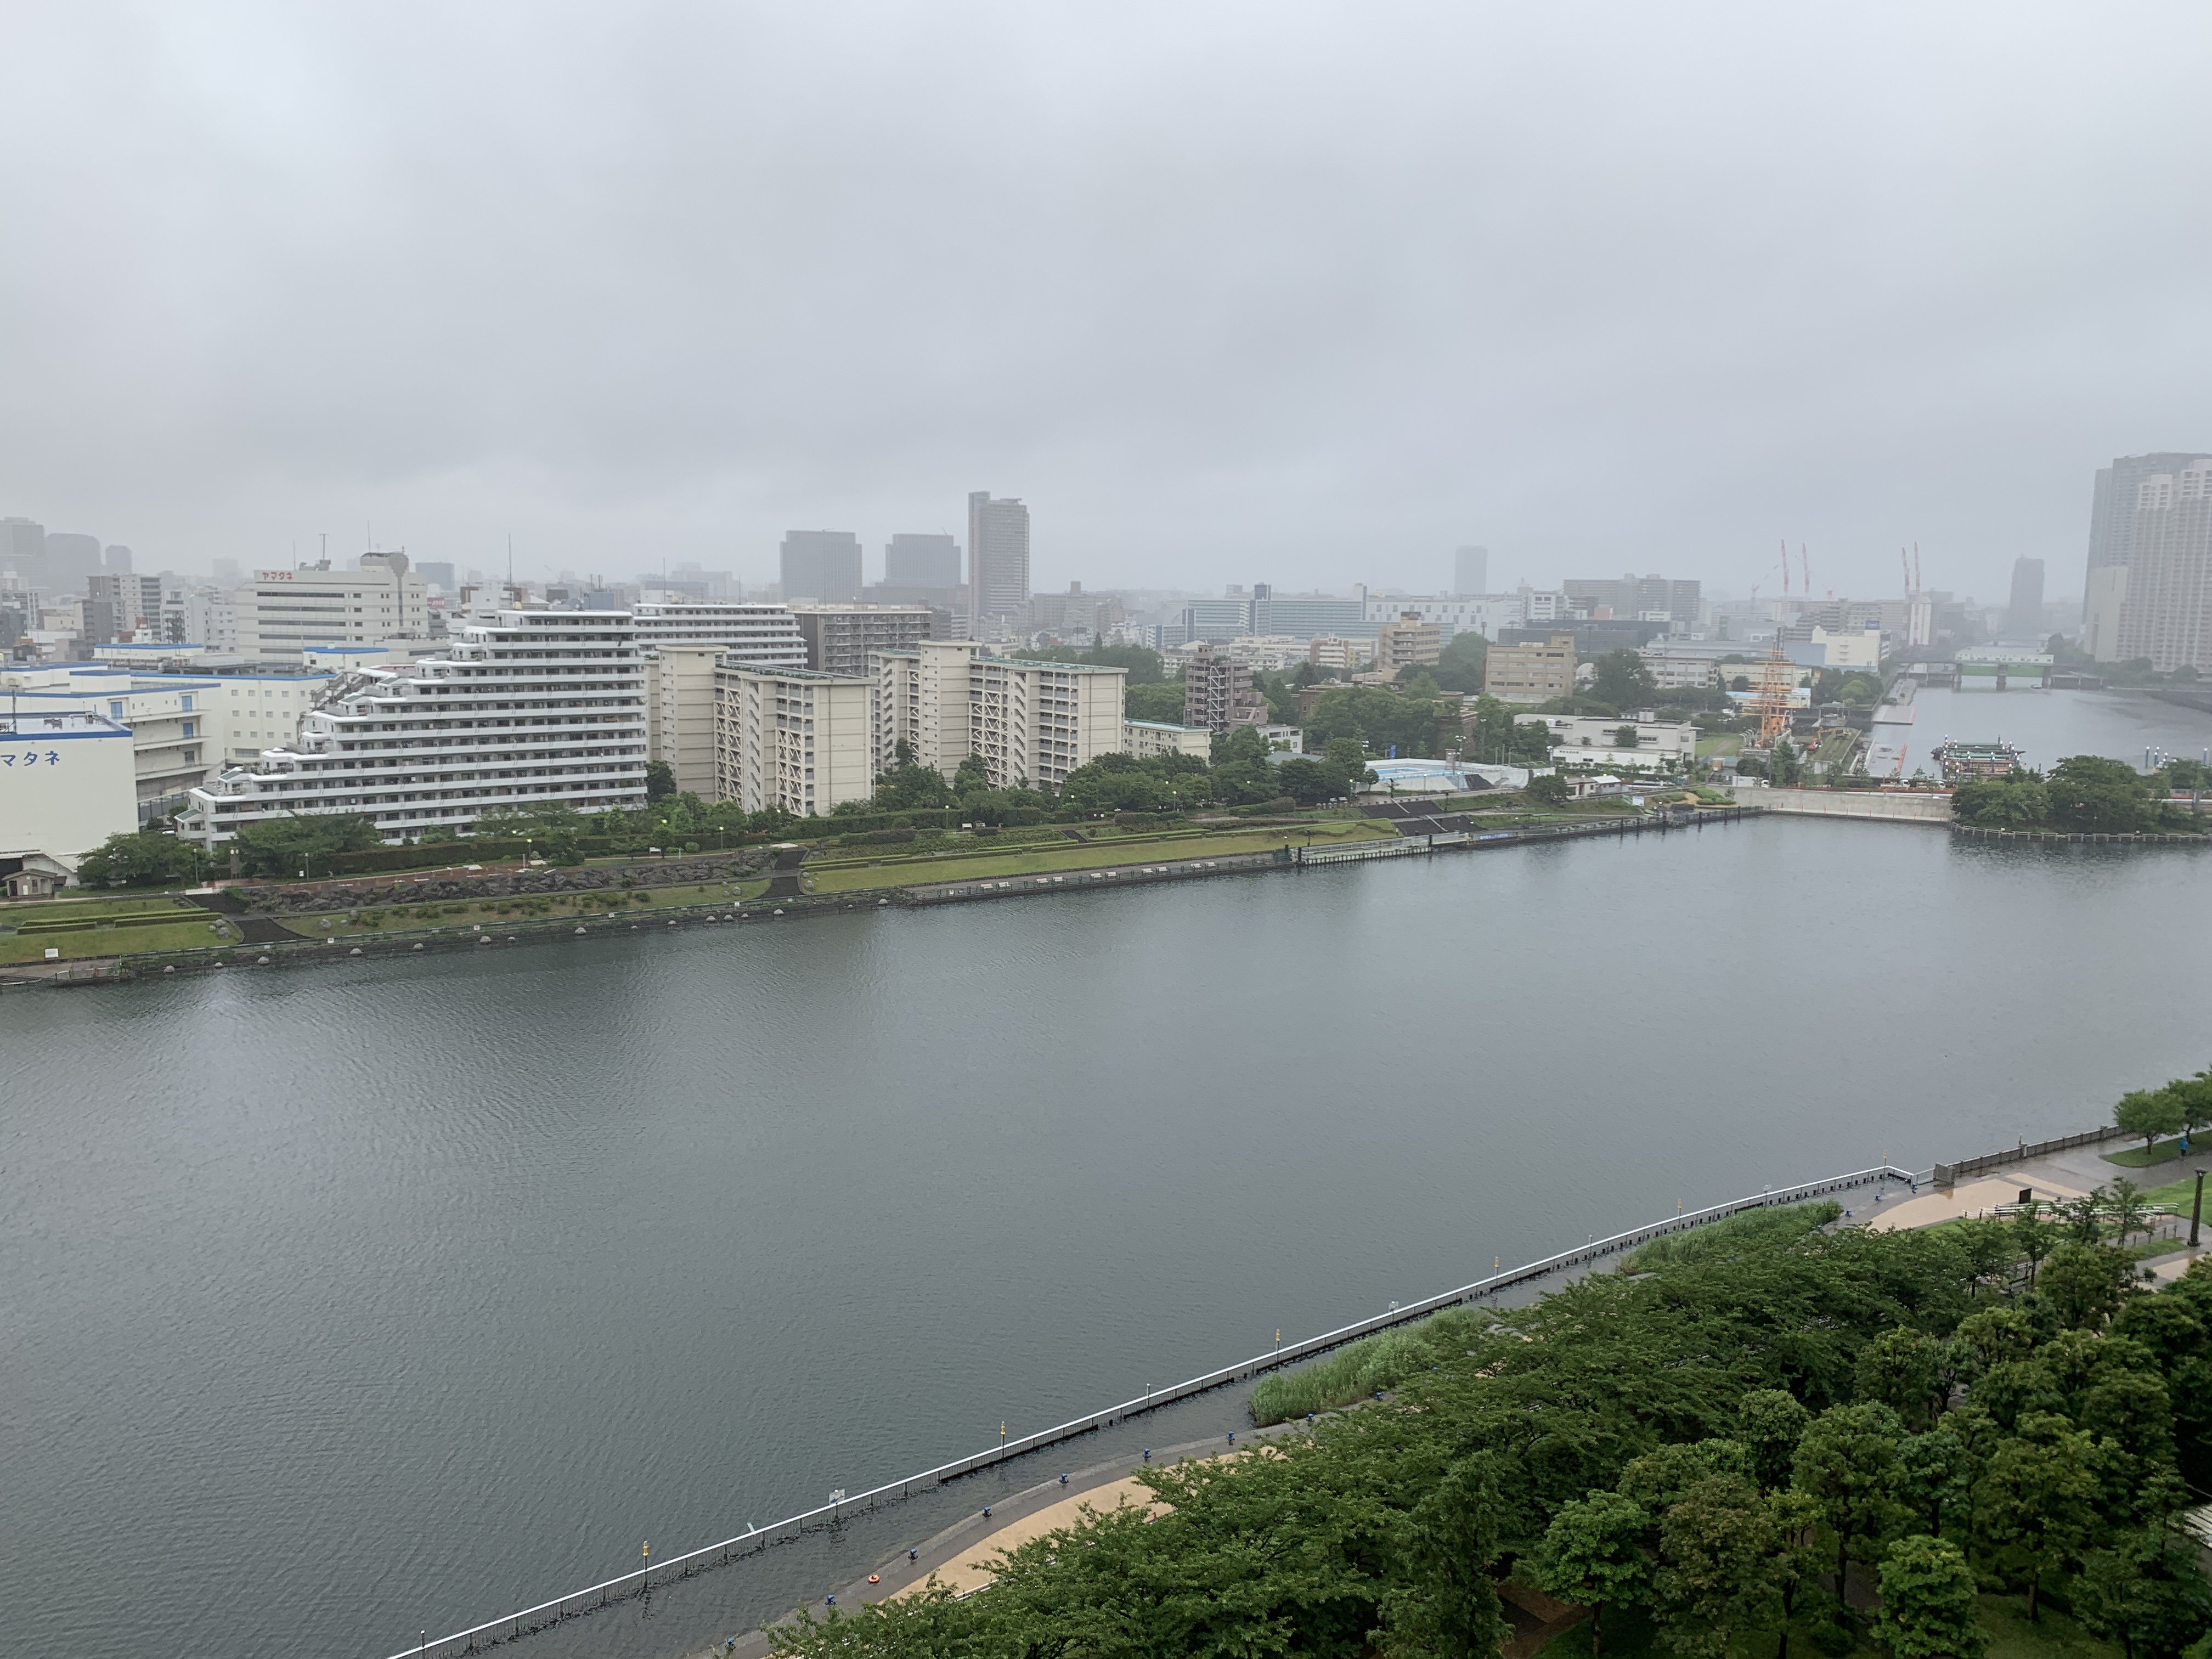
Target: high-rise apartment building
[(823, 565), (536, 708), (998, 555), (2118, 492), (679, 714), (841, 638), (1031, 723), (1470, 571), (2024, 615), (792, 738), (2165, 614), (1217, 692)]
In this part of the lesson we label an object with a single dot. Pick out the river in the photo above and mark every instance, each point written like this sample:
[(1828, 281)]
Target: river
[(343, 1304)]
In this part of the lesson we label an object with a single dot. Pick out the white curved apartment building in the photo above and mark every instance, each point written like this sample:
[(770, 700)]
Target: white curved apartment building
[(537, 707), (748, 635)]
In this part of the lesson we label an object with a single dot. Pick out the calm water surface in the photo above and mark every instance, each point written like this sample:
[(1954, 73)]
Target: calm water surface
[(342, 1303)]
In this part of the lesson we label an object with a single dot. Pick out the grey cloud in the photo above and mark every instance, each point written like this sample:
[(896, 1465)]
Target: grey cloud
[(1294, 293)]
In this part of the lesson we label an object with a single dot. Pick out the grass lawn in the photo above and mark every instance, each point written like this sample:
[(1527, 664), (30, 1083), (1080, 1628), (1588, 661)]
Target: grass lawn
[(2139, 1157), (189, 925), (190, 931), (1044, 857), (1724, 742)]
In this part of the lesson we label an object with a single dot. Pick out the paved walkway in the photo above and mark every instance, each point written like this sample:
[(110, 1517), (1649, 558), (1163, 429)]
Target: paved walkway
[(957, 1555)]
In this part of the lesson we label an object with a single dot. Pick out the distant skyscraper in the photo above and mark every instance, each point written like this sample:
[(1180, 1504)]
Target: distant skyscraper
[(998, 553), (118, 561), (822, 564), (23, 551), (922, 562), (2165, 608), (1471, 570), (2024, 615), (2113, 505), (71, 560)]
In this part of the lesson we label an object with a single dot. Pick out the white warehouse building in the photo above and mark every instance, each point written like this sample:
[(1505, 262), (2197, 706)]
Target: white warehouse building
[(536, 708)]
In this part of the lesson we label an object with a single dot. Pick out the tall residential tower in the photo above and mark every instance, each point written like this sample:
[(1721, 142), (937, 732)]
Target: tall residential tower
[(997, 554)]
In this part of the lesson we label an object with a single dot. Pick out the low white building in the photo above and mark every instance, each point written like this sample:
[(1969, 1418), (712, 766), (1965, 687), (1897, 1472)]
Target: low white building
[(1593, 739), (65, 787), (1145, 738)]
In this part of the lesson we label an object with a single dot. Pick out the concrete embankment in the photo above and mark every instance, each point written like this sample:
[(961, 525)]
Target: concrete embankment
[(1875, 805)]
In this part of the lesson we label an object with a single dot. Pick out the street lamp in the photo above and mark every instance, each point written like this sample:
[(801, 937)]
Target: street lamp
[(2196, 1210)]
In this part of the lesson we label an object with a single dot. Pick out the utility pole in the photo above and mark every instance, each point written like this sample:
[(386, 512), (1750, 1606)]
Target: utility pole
[(2196, 1210)]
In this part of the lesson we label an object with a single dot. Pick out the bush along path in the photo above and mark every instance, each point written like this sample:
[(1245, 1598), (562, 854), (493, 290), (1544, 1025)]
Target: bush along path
[(1886, 1442)]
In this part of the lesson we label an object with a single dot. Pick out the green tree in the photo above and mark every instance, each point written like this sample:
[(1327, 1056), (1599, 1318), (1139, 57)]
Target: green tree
[(1796, 1521), (1161, 702), (1901, 1368), (2090, 793), (2085, 1284), (2036, 1496), (1928, 1601), (1847, 1463), (1497, 735), (1461, 668), (2033, 1236), (1785, 768), (1445, 1604), (1623, 680), (1626, 736), (660, 781), (1593, 1554), (1716, 1573), (2146, 1592), (2001, 802), (2148, 1114), (1770, 1423), (287, 846), (1549, 790), (1934, 1470), (1309, 782), (145, 858)]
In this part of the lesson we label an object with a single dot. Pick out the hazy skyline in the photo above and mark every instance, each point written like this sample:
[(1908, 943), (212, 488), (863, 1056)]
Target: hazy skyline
[(1225, 293)]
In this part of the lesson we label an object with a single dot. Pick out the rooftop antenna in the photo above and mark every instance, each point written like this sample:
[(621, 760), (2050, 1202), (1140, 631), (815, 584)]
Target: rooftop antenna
[(1785, 566), (1918, 586)]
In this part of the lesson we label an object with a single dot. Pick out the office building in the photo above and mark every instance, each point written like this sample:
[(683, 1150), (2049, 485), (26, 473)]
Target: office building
[(536, 708), (2117, 494), (438, 573), (998, 555), (2104, 598), (2165, 614), (759, 635), (924, 562), (1470, 571), (822, 565), (792, 738), (1030, 722), (1529, 674), (679, 714), (1331, 653), (841, 638), (281, 612), (1217, 693), (71, 560), (1634, 599), (116, 561), (22, 553), (1487, 614), (1408, 643), (2024, 615)]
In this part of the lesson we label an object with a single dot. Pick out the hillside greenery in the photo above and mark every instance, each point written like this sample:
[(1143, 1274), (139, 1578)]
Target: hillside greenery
[(1697, 1450)]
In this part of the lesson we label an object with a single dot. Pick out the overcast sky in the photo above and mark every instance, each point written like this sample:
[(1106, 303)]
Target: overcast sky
[(1277, 292)]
